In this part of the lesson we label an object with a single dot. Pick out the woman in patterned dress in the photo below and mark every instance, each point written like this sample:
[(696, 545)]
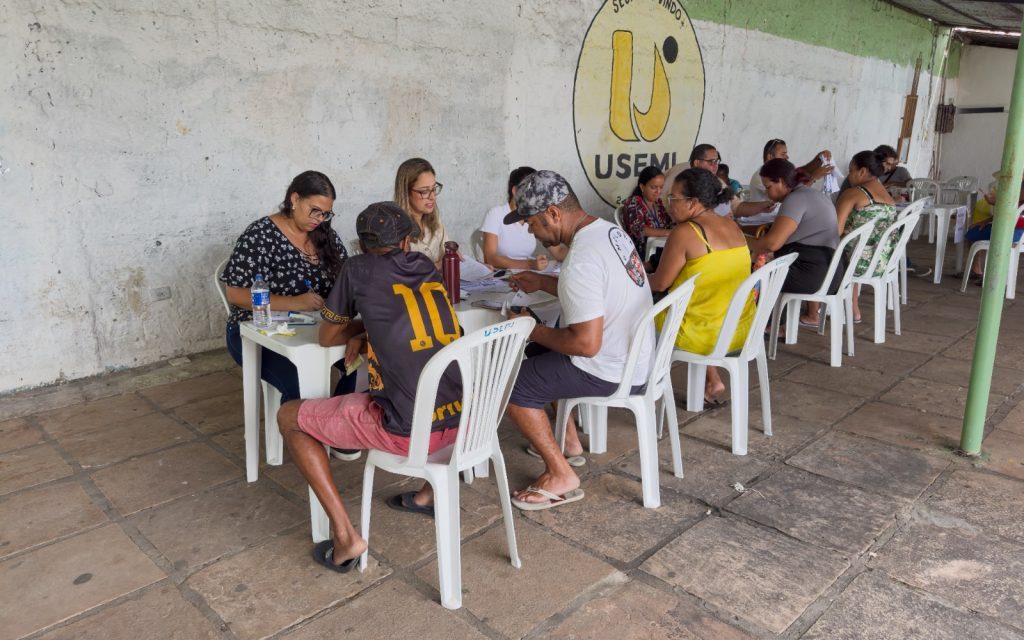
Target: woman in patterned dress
[(643, 215), (865, 201), (299, 256)]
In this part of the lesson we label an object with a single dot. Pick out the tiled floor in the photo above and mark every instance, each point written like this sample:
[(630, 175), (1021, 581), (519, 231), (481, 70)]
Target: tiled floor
[(124, 513)]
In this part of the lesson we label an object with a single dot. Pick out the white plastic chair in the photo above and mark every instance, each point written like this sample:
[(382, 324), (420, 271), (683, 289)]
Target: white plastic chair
[(922, 188), (488, 360), (983, 245), (887, 285), (769, 279), (965, 186), (644, 406), (838, 305), (619, 212), (273, 442)]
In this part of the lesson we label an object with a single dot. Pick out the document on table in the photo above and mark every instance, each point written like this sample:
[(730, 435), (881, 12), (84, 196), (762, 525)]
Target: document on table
[(471, 269), (961, 225), (542, 304)]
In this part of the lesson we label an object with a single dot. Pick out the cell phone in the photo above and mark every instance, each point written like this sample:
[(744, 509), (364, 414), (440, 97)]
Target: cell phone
[(500, 273), (518, 309)]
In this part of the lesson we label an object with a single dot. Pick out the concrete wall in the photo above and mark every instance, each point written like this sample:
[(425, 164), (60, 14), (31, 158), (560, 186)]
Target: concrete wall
[(139, 138), (975, 146)]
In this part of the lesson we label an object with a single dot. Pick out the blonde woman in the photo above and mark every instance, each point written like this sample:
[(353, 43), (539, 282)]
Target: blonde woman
[(416, 191)]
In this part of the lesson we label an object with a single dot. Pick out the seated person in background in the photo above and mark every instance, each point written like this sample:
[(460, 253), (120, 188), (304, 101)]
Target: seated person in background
[(867, 202), (604, 294), (776, 148), (714, 247), (723, 175), (892, 174), (705, 156), (806, 224), (387, 286), (643, 214), (512, 246), (981, 228), (416, 191), (299, 255)]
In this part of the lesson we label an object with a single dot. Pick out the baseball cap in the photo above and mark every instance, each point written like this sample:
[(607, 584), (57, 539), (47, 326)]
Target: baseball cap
[(536, 192), (384, 224)]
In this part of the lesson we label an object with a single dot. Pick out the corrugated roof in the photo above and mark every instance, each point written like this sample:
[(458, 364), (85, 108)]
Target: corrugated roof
[(972, 14)]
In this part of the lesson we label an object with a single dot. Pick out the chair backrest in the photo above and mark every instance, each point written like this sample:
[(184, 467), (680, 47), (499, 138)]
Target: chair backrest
[(923, 188), (859, 238), (674, 306), (768, 279), (963, 183), (914, 207), (220, 286), (476, 243), (904, 227), (488, 360), (619, 211)]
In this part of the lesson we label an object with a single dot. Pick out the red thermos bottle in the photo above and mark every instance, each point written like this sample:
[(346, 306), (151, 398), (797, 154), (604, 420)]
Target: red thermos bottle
[(450, 271)]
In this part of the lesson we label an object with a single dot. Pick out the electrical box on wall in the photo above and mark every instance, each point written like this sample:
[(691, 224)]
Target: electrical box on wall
[(944, 118)]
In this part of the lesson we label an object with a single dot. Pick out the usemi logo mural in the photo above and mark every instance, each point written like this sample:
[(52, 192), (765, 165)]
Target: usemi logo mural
[(639, 93)]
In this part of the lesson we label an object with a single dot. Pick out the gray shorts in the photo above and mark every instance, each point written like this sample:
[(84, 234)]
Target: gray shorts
[(552, 376)]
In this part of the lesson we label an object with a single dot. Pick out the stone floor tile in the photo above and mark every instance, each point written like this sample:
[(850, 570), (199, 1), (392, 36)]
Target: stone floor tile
[(926, 343), (810, 403), (986, 500), (709, 471), (934, 397), (818, 510), (848, 379), (403, 539), (372, 615), (39, 515), (940, 321), (158, 612), (1014, 421), (93, 416), (760, 576), (789, 433), (977, 570), (233, 442), (612, 520), (267, 588), (870, 465), (35, 400), (348, 478), (205, 526), (1009, 354), (637, 611), (53, 583), (17, 434), (1005, 453), (31, 466), (877, 357), (103, 444), (156, 478), (213, 415), (172, 395), (904, 426), (878, 608), (958, 373), (514, 601)]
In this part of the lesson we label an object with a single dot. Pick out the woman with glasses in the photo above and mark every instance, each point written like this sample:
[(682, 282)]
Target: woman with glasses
[(713, 246), (416, 191), (299, 256)]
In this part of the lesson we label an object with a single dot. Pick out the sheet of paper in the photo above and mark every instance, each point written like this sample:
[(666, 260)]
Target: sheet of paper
[(471, 269), (961, 225)]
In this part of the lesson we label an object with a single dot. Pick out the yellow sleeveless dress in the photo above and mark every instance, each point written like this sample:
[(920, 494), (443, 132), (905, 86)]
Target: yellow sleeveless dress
[(722, 272)]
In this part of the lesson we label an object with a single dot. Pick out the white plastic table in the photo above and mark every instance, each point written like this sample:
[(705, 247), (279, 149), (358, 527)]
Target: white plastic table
[(943, 214)]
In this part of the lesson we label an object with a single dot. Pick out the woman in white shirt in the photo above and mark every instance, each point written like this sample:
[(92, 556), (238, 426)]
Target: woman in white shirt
[(416, 191), (513, 246)]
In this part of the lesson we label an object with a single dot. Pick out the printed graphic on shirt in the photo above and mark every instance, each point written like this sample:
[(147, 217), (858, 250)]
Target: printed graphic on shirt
[(626, 251)]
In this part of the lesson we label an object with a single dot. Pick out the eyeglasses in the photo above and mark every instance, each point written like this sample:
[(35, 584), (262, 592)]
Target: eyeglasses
[(426, 192), (711, 160), (674, 198), (320, 214)]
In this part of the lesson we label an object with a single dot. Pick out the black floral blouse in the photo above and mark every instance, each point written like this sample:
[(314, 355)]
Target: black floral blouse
[(263, 249)]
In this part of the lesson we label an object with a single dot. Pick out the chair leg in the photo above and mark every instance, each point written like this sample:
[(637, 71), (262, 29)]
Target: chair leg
[(894, 296), (766, 396), (739, 392), (882, 298), (1011, 279), (597, 415), (505, 498), (773, 338), (696, 377), (648, 445), (447, 530), (364, 512), (668, 401), (792, 321), (848, 321), (271, 433), (903, 281), (837, 332)]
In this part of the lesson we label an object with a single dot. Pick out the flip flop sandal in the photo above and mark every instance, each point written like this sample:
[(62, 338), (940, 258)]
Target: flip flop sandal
[(813, 325), (323, 553), (714, 404), (405, 502), (553, 500), (574, 461)]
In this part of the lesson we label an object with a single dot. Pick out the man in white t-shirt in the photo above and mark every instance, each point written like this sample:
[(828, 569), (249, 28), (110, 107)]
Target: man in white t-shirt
[(604, 293)]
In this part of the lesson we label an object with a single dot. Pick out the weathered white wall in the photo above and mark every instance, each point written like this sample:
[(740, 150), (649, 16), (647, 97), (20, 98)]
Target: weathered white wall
[(141, 137), (975, 146)]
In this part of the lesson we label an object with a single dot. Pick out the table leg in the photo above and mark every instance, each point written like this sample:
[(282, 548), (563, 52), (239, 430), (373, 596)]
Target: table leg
[(315, 382), (941, 230), (251, 357)]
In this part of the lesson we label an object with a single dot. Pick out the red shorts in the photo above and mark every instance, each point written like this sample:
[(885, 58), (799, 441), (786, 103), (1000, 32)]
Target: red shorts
[(355, 421)]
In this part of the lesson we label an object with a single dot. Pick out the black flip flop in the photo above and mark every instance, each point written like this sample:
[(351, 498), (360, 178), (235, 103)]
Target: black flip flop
[(405, 502), (714, 404), (323, 553)]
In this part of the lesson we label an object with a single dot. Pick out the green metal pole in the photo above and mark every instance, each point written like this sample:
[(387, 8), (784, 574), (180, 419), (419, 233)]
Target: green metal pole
[(1005, 217)]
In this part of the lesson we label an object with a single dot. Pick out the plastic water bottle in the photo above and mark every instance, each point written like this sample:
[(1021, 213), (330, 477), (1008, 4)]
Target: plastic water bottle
[(260, 303)]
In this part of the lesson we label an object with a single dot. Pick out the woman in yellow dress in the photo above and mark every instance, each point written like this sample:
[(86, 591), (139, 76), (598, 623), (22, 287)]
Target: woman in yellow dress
[(715, 247)]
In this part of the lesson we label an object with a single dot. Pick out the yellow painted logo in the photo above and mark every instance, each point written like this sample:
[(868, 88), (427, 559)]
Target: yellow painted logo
[(639, 93)]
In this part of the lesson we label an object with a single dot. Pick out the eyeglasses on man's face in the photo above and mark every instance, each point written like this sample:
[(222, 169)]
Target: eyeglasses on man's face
[(427, 192), (711, 160)]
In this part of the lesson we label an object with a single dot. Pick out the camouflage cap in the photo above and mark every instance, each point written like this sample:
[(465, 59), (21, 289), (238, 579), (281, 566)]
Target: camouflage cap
[(536, 192), (384, 224)]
